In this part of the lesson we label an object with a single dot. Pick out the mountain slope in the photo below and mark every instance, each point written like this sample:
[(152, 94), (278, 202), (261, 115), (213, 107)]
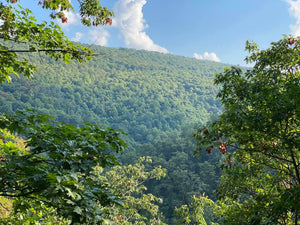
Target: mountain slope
[(144, 93), (157, 98)]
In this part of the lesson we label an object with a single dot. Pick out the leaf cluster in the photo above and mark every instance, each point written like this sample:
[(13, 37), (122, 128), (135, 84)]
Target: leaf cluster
[(57, 166), (137, 206), (20, 26)]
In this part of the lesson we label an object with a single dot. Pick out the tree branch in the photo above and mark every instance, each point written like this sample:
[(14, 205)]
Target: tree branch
[(39, 50)]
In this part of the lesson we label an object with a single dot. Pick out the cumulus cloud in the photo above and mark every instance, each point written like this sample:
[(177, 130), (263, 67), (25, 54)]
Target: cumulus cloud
[(77, 37), (130, 20), (98, 36), (207, 56), (294, 11)]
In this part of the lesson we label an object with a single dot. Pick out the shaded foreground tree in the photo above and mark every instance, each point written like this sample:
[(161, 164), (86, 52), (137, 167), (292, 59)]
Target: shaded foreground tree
[(259, 135), (56, 167)]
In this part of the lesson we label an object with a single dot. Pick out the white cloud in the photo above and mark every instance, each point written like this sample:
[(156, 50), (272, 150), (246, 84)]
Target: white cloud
[(294, 11), (207, 56), (130, 20), (95, 36), (98, 36), (77, 37)]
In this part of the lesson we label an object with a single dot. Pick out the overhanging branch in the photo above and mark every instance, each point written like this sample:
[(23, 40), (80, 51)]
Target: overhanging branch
[(40, 50), (51, 50)]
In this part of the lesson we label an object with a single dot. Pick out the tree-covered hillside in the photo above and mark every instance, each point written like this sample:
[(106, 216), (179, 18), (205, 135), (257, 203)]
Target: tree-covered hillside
[(144, 93), (57, 173), (158, 99)]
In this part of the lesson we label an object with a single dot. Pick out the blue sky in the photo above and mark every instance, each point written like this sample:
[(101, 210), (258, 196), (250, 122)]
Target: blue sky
[(205, 29)]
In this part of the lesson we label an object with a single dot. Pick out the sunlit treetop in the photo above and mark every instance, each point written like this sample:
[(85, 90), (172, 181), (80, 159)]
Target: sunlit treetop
[(91, 11), (21, 34)]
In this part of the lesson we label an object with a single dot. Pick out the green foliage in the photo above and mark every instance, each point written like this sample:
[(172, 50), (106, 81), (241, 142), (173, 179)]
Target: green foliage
[(137, 206), (36, 214), (259, 129), (51, 176), (186, 174), (20, 26), (201, 211), (56, 167), (91, 12), (5, 207), (133, 207), (146, 94)]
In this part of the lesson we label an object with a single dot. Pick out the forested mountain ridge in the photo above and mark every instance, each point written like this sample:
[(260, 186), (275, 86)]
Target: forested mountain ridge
[(144, 93), (58, 173), (158, 99)]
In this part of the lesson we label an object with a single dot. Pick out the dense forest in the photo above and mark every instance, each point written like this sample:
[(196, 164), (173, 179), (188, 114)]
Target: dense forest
[(143, 93), (113, 136), (158, 99)]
